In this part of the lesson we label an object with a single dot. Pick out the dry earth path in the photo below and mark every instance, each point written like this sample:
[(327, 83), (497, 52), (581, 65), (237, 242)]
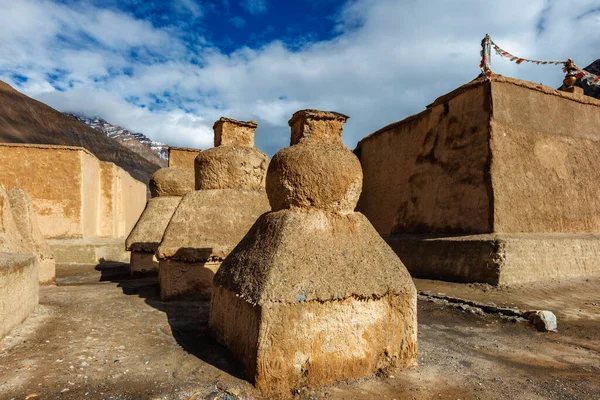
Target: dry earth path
[(99, 336)]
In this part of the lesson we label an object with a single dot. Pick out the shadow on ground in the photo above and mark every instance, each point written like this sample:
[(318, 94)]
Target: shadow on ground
[(188, 320)]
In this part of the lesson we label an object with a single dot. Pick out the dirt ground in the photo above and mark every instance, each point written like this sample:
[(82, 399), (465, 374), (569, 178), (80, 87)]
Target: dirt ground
[(98, 335)]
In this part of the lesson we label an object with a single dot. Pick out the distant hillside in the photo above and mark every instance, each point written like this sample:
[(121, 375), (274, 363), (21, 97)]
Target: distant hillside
[(155, 152), (24, 120), (593, 91)]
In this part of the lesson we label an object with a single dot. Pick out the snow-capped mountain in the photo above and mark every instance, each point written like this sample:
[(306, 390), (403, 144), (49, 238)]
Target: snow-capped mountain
[(155, 152)]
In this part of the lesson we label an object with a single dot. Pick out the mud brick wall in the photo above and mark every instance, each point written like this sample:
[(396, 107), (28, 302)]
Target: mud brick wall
[(73, 193), (500, 156)]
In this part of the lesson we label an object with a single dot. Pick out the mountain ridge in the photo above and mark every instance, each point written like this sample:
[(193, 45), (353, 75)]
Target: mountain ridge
[(155, 152), (26, 120)]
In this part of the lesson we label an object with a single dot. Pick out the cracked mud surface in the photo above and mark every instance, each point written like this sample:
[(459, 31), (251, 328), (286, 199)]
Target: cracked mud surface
[(115, 339)]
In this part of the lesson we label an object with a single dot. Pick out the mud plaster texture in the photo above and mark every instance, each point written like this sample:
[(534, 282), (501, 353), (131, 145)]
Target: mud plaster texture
[(33, 240), (180, 157), (88, 251), (11, 240), (167, 187), (231, 167), (148, 232), (281, 296), (185, 280), (231, 132), (19, 289), (172, 182), (75, 196), (210, 222), (142, 263), (499, 259), (498, 157), (204, 229), (19, 269), (116, 338)]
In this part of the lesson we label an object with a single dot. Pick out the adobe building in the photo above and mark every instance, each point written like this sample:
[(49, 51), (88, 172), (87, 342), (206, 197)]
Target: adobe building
[(85, 207), (167, 187), (313, 294), (494, 182), (209, 222), (19, 283), (182, 157)]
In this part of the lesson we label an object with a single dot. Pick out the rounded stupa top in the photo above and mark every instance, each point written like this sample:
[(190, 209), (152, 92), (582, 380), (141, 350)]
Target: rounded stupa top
[(172, 182), (317, 171), (234, 162)]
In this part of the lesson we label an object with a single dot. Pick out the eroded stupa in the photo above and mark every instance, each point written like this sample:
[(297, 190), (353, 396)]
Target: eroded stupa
[(209, 223), (19, 269), (167, 187), (313, 294), (33, 241)]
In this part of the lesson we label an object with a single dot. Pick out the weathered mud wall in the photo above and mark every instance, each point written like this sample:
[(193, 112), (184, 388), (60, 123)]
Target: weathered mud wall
[(90, 194), (180, 157), (428, 173), (504, 156), (28, 229), (51, 176), (546, 159), (130, 199), (19, 289), (74, 194)]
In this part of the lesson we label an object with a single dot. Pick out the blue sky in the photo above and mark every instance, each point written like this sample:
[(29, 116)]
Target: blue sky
[(169, 69)]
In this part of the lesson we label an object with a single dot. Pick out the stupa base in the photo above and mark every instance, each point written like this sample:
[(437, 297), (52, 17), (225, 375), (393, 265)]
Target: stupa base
[(143, 264), (499, 259), (286, 346), (181, 280)]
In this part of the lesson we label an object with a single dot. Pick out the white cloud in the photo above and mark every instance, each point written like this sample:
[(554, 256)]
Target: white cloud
[(389, 60), (254, 6)]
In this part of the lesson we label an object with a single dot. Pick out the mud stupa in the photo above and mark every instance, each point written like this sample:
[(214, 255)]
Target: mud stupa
[(33, 241), (167, 187), (312, 294), (19, 269), (210, 222)]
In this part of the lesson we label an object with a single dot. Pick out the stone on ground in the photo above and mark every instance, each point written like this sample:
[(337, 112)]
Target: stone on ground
[(544, 321)]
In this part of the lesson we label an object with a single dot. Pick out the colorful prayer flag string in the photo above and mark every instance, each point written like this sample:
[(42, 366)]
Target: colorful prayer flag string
[(486, 70)]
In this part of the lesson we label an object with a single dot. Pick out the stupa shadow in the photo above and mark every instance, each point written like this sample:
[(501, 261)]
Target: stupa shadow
[(188, 322)]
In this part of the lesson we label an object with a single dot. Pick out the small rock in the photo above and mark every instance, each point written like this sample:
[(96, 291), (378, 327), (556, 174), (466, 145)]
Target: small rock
[(544, 321)]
